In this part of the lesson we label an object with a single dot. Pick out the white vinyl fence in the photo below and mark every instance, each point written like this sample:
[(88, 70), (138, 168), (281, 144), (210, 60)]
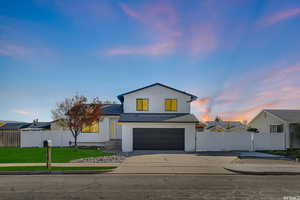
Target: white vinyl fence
[(36, 138), (205, 141), (229, 141)]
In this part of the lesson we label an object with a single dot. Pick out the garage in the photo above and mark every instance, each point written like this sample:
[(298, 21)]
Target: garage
[(158, 138)]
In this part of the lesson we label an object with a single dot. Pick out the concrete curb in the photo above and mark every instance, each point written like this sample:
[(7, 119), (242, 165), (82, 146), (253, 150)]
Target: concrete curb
[(54, 172), (261, 172)]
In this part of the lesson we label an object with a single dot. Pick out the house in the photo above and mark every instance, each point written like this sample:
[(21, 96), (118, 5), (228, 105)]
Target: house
[(10, 131), (155, 117), (14, 126), (17, 126), (224, 126), (279, 121)]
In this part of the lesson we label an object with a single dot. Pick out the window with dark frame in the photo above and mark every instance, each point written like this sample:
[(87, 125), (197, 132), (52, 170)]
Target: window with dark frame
[(170, 104), (276, 128), (142, 104)]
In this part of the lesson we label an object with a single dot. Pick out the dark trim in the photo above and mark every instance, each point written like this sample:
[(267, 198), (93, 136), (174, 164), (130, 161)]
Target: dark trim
[(164, 122), (121, 96)]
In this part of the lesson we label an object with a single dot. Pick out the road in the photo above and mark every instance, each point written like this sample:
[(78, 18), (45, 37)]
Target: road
[(121, 186)]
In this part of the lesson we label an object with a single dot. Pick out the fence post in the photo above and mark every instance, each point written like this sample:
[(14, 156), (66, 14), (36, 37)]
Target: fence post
[(252, 142)]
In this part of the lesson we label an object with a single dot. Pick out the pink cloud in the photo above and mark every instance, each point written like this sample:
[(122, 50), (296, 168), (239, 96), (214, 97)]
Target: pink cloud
[(24, 52), (160, 19), (272, 88), (154, 50), (21, 112), (248, 112), (203, 40), (15, 50), (279, 16)]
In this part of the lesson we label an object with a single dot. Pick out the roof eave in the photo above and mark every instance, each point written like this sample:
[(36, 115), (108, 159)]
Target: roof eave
[(121, 96)]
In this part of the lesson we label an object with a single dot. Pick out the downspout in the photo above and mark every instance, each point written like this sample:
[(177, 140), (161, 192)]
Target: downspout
[(195, 139)]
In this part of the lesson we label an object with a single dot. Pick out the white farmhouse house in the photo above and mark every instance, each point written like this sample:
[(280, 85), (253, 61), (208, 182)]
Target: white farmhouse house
[(279, 121), (155, 117)]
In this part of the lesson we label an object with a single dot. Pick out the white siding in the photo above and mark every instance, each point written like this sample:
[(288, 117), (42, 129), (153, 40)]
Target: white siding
[(263, 121), (127, 136), (157, 95), (63, 137)]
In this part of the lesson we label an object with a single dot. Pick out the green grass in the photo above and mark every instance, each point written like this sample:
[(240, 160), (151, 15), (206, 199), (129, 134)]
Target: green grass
[(38, 155), (289, 153), (43, 168)]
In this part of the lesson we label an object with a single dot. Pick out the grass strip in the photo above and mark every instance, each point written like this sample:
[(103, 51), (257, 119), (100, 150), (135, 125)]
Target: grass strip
[(38, 155)]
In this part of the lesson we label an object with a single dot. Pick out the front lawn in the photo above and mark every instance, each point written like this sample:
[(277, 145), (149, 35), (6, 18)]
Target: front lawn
[(38, 155), (289, 153), (43, 168)]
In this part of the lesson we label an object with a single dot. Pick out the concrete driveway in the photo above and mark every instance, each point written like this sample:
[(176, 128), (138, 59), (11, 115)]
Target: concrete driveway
[(174, 163)]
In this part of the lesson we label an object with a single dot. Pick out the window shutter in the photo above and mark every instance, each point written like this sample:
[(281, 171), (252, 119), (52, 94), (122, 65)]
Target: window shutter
[(139, 104), (174, 105), (145, 104), (167, 105)]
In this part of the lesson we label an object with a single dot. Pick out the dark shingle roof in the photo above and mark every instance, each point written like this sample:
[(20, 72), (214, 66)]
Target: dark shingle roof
[(45, 125), (14, 126), (23, 125), (121, 96), (291, 116), (158, 117), (112, 109), (223, 124)]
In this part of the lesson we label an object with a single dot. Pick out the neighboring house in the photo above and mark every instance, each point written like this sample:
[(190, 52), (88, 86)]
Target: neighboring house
[(224, 126), (14, 126), (37, 126), (10, 132), (279, 121), (2, 123), (155, 117), (17, 126)]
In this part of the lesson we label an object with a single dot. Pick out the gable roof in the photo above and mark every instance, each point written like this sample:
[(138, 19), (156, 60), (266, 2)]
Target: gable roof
[(15, 126), (290, 116), (44, 125), (121, 96), (159, 117)]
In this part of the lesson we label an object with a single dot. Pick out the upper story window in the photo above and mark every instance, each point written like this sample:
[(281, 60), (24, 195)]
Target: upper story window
[(93, 128), (276, 128), (142, 104), (170, 104)]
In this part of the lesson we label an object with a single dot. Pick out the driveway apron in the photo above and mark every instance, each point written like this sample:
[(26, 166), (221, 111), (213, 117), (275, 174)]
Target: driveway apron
[(170, 163)]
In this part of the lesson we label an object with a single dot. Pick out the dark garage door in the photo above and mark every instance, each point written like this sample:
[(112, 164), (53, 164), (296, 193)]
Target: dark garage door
[(158, 139)]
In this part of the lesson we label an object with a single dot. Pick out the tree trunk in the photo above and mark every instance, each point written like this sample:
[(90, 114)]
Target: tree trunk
[(75, 140)]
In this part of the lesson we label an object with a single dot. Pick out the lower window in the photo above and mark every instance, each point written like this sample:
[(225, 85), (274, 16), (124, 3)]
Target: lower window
[(93, 128)]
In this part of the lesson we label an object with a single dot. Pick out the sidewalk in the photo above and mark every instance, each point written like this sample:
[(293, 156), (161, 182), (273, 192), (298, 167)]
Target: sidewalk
[(61, 164), (264, 167)]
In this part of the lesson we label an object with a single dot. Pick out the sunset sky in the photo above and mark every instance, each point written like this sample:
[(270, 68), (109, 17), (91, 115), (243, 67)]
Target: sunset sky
[(237, 56)]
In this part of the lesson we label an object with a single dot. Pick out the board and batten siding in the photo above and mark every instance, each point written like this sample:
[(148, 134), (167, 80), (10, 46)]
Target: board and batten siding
[(263, 121), (156, 96)]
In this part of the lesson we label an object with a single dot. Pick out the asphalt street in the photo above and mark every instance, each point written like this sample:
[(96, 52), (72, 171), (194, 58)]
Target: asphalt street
[(121, 186)]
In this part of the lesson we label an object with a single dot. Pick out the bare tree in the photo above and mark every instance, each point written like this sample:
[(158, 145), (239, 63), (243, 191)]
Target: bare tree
[(76, 113)]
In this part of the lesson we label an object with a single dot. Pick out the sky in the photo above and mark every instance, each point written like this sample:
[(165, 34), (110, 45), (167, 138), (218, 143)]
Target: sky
[(237, 56)]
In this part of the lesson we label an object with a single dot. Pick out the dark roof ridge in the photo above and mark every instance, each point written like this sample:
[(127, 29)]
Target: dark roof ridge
[(121, 96)]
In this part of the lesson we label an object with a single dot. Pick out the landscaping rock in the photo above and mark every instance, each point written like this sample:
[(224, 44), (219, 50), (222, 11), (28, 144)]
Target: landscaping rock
[(102, 159)]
